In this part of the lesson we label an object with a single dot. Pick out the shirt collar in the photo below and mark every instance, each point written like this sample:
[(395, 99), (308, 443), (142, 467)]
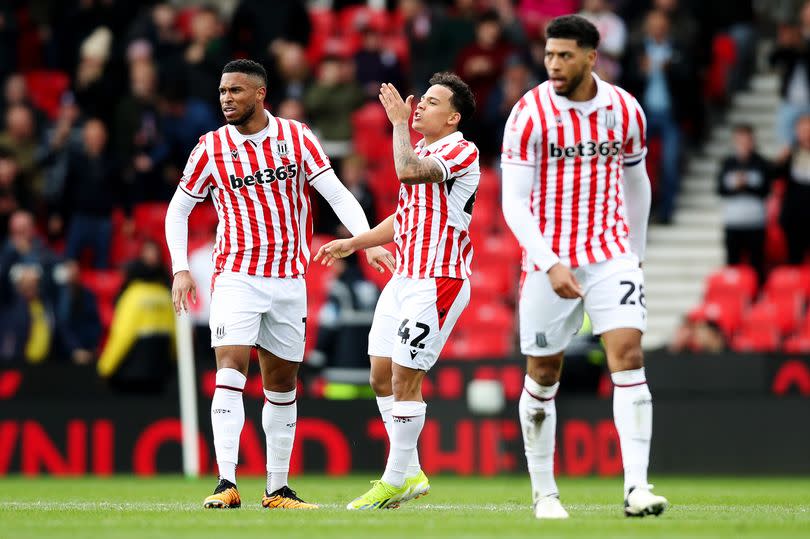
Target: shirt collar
[(272, 130), (601, 99), (455, 136)]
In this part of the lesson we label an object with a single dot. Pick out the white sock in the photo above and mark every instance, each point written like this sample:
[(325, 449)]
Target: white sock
[(278, 419), (632, 413), (227, 419), (386, 404), (408, 420), (538, 421)]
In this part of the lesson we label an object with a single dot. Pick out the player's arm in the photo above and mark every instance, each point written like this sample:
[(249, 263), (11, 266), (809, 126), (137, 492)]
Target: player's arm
[(517, 187), (410, 168), (380, 235), (351, 214), (637, 197), (177, 240), (637, 190)]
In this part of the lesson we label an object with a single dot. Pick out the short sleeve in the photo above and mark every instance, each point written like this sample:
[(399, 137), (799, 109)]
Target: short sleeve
[(196, 177), (635, 142), (520, 136), (457, 160), (316, 162)]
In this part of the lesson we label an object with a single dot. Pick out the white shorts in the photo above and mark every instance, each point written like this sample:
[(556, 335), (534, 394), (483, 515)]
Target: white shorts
[(614, 298), (269, 312), (414, 318)]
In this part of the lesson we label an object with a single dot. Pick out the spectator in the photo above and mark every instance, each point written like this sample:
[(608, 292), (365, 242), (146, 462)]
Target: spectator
[(23, 249), (137, 134), (94, 85), (8, 39), (136, 355), (792, 58), (354, 177), (27, 326), (288, 74), (205, 55), (292, 109), (78, 325), (375, 64), (258, 26), (421, 26), (92, 189), (19, 137), (535, 14), (658, 75), (159, 28), (613, 38), (329, 104), (795, 218), (516, 81), (481, 63), (744, 182), (15, 92), (14, 193)]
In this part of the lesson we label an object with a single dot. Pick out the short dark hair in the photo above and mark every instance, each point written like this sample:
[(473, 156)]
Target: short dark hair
[(463, 99), (249, 67), (574, 27), (743, 128)]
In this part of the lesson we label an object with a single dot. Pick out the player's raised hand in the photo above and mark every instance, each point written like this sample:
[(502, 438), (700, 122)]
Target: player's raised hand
[(182, 286), (563, 282), (333, 250), (398, 111), (378, 257)]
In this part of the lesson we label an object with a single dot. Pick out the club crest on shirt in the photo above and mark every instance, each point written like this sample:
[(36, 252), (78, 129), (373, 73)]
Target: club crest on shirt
[(607, 118), (281, 148), (234, 153)]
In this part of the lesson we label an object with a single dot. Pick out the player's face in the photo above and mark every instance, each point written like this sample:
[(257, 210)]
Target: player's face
[(567, 64), (434, 112), (239, 95)]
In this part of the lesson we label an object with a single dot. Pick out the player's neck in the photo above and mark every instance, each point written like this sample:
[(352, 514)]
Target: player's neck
[(256, 123), (438, 136), (586, 89)]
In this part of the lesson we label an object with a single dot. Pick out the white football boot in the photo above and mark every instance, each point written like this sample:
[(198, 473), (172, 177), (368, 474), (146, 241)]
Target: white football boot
[(641, 502), (549, 507)]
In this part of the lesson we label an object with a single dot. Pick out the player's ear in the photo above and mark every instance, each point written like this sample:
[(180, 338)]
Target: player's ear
[(454, 118), (261, 93), (591, 55)]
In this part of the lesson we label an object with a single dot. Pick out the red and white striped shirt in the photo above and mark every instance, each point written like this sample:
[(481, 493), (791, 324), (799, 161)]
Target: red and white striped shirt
[(578, 150), (432, 221), (260, 188)]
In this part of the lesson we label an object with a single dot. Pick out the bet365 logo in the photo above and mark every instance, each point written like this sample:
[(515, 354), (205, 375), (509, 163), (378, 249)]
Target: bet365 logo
[(268, 175), (585, 149)]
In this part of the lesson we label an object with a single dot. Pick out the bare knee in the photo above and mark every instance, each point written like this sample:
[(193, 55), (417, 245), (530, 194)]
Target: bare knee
[(381, 384), (407, 384), (282, 379), (627, 357), (544, 370)]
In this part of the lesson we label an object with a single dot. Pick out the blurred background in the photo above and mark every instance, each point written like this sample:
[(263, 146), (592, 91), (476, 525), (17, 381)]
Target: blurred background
[(102, 101)]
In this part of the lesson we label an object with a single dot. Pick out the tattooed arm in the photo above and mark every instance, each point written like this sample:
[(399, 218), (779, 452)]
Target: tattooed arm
[(410, 168)]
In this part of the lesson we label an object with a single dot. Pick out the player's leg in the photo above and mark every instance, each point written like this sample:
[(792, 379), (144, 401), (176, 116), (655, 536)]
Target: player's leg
[(547, 323), (428, 311), (616, 304), (281, 349), (380, 347), (234, 326)]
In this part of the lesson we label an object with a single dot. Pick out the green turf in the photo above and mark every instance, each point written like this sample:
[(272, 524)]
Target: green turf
[(456, 507)]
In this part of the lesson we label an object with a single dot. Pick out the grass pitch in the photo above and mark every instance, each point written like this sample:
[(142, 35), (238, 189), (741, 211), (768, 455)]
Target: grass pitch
[(171, 507)]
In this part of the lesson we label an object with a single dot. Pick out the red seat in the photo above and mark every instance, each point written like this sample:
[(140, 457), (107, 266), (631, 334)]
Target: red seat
[(740, 281), (486, 317), (783, 314), (372, 133), (726, 312), (477, 345), (798, 344), (105, 284), (45, 89), (150, 219), (756, 339), (788, 281)]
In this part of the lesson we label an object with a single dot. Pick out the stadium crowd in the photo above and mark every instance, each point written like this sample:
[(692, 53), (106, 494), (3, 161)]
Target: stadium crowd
[(102, 100)]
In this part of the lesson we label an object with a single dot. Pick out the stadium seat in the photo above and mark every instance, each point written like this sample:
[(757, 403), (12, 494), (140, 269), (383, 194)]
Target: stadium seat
[(756, 339), (463, 346), (782, 313), (45, 89), (150, 218), (726, 312), (797, 344), (105, 284), (788, 281), (740, 281), (486, 317)]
